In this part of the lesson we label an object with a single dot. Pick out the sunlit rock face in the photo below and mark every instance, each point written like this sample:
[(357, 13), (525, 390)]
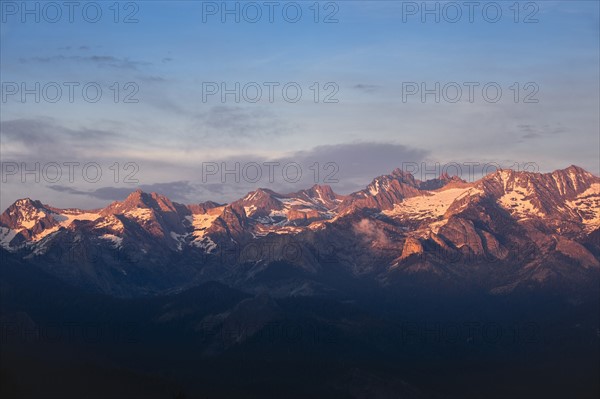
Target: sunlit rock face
[(536, 223)]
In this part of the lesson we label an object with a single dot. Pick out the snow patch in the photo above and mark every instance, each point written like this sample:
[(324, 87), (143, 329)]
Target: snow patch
[(202, 222), (117, 241), (587, 206), (65, 218), (517, 203), (112, 223), (140, 214), (179, 238), (432, 205), (374, 188), (249, 210), (6, 236), (206, 244), (45, 233)]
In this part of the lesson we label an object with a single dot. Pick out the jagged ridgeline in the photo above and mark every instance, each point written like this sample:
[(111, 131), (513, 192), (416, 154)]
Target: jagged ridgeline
[(507, 231)]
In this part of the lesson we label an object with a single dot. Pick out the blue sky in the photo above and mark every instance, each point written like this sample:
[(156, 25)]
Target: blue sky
[(373, 50)]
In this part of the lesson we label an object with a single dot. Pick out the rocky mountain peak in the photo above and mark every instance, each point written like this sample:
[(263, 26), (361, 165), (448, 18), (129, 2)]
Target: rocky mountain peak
[(402, 176), (320, 194), (28, 215), (443, 180), (323, 190), (28, 202), (140, 199)]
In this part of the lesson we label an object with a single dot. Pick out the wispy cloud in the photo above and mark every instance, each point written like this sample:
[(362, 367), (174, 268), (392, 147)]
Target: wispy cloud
[(38, 136), (46, 139), (531, 131), (98, 60), (240, 122), (368, 88)]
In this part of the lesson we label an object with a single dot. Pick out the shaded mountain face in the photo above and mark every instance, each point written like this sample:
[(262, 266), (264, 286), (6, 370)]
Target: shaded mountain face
[(375, 346), (505, 232)]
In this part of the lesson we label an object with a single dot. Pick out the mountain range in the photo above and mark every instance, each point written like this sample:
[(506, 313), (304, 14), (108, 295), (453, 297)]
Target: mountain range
[(438, 289), (506, 232)]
